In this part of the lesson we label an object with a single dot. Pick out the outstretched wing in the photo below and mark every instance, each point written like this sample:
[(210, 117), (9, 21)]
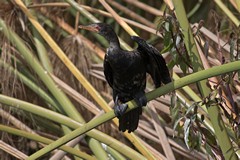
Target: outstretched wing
[(156, 65), (108, 72)]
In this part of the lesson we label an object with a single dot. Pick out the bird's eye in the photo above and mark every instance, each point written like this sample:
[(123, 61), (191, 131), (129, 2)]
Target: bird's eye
[(98, 28)]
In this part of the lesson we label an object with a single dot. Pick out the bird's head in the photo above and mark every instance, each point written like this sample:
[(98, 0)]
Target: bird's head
[(100, 28)]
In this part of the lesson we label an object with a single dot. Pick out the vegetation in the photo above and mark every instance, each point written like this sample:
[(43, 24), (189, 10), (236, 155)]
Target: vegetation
[(52, 88)]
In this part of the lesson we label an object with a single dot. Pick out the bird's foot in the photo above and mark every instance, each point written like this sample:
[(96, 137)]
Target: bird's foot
[(141, 99), (119, 108)]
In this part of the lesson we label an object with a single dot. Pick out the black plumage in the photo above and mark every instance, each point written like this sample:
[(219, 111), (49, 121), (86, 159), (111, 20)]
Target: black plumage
[(125, 72)]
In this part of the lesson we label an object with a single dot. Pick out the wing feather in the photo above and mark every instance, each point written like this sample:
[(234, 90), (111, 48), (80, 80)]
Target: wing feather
[(108, 72), (156, 65)]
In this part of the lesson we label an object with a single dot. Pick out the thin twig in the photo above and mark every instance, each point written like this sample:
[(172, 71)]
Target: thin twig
[(161, 133), (145, 7), (131, 14), (77, 96), (101, 12), (13, 151)]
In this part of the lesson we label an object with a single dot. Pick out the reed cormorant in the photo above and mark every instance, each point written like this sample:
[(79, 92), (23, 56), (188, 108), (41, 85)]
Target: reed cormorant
[(125, 72)]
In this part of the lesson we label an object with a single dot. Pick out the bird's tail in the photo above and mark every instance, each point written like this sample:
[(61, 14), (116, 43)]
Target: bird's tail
[(129, 121)]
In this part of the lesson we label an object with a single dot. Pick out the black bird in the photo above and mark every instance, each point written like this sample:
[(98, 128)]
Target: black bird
[(125, 72)]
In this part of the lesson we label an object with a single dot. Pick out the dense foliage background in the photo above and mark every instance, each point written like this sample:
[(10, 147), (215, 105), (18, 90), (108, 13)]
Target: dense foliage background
[(51, 79)]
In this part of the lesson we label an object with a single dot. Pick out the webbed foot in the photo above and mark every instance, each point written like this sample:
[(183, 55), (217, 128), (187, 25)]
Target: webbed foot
[(119, 108), (141, 99)]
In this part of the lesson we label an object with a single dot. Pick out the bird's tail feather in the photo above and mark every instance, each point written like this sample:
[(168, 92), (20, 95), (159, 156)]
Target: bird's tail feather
[(129, 121)]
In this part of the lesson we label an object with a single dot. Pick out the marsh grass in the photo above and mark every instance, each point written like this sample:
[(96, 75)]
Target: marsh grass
[(73, 67)]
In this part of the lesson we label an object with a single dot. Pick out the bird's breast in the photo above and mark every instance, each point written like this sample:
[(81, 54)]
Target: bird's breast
[(129, 82), (129, 71)]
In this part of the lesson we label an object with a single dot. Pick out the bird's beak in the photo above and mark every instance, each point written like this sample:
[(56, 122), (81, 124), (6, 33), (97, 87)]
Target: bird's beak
[(90, 27)]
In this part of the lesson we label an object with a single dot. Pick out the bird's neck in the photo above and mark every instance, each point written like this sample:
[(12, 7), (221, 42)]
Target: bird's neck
[(113, 40)]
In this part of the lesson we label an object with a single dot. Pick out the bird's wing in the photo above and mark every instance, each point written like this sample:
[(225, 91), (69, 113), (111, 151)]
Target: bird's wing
[(156, 65), (108, 72)]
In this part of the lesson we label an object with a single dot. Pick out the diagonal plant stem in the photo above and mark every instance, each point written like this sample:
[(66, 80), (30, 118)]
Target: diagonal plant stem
[(136, 141), (145, 7), (196, 98), (97, 97), (131, 136), (44, 140), (94, 10), (131, 13), (11, 150), (39, 91), (60, 22), (69, 108), (213, 110), (193, 78), (231, 16), (63, 120), (161, 133), (65, 103), (118, 18), (91, 18)]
